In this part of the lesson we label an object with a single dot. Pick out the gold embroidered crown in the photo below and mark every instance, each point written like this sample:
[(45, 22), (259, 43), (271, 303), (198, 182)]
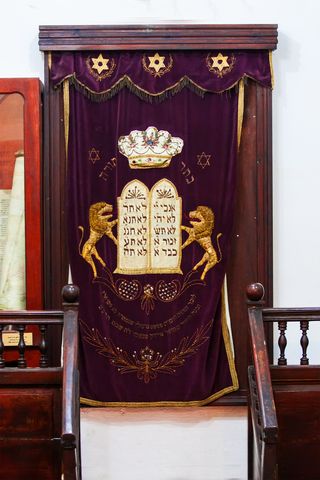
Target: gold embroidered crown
[(149, 148)]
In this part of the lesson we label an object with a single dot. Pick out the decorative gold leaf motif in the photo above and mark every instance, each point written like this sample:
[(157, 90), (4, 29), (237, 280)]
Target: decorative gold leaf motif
[(100, 64), (157, 64), (100, 67), (147, 364), (220, 64)]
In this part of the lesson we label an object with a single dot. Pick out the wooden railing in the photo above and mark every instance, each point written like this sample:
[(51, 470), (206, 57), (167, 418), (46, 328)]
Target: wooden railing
[(47, 445), (283, 398)]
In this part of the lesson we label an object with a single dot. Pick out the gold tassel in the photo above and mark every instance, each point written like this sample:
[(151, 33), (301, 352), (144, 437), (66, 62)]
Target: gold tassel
[(66, 113), (240, 109), (49, 60)]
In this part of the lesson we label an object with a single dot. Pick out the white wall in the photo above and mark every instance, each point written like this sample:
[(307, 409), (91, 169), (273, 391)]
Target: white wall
[(296, 121)]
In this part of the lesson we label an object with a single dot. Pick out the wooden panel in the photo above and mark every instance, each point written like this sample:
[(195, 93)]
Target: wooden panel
[(38, 460), (28, 413), (295, 375), (299, 434), (34, 376), (150, 37), (251, 252)]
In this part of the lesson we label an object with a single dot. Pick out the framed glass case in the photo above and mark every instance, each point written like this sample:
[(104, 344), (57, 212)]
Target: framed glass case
[(20, 198)]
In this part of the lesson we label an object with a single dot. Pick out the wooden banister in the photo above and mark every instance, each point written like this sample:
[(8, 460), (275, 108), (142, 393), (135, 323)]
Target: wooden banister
[(49, 446), (284, 399), (70, 399), (261, 399), (269, 422)]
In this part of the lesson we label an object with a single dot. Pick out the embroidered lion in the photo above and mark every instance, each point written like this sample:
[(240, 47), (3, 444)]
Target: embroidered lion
[(202, 221), (99, 216)]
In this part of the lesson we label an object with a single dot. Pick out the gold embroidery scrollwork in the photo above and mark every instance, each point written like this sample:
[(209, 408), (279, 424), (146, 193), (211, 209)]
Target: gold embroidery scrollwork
[(163, 291), (148, 364)]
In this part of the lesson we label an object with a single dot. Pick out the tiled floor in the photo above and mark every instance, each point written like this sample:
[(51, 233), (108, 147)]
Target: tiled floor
[(207, 443)]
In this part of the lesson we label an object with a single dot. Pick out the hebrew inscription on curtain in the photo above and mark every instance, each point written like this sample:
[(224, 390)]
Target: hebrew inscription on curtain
[(152, 145)]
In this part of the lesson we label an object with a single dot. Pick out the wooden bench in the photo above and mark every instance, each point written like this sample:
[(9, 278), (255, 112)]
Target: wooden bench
[(39, 406), (284, 399)]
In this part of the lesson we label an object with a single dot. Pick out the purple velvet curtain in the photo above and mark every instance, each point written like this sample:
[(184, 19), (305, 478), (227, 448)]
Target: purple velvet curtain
[(152, 336)]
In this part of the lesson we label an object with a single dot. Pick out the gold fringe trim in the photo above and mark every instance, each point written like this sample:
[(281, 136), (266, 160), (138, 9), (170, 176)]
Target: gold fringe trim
[(66, 113), (126, 82), (194, 403), (271, 69), (240, 109)]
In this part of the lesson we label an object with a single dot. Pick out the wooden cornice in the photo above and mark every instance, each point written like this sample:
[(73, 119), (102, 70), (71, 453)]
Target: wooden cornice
[(164, 37)]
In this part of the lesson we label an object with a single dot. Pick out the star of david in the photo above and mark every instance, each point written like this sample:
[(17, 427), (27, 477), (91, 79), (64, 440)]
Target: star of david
[(220, 62), (157, 62), (203, 160), (94, 155), (100, 64)]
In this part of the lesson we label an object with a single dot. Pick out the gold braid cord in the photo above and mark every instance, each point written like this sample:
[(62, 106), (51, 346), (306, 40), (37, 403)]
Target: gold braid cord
[(147, 364)]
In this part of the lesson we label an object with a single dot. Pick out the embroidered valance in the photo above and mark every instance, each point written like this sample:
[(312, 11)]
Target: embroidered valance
[(153, 76)]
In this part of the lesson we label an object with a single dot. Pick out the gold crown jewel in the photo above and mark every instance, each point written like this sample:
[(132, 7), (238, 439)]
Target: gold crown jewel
[(150, 148)]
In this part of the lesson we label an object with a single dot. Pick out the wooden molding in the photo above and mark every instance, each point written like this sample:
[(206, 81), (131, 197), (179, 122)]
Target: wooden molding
[(150, 37)]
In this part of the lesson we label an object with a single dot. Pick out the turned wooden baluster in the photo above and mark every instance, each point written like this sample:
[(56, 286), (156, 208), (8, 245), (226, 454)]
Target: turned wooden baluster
[(2, 362), (304, 342), (21, 347), (282, 342), (43, 347)]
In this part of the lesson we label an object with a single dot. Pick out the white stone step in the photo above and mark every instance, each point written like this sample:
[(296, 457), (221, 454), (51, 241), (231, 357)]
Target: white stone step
[(206, 443)]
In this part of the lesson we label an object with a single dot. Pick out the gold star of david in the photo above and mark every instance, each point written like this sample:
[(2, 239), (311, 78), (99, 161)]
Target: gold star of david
[(203, 160), (94, 155), (220, 62), (157, 62), (100, 64)]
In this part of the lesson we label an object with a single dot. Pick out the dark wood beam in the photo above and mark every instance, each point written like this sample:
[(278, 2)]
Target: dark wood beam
[(164, 37)]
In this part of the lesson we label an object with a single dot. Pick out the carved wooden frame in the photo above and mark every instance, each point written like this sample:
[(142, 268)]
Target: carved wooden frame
[(251, 258)]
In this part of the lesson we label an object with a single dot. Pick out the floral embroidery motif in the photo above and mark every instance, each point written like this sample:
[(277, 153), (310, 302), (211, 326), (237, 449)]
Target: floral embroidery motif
[(147, 364), (157, 64), (220, 64), (100, 67)]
